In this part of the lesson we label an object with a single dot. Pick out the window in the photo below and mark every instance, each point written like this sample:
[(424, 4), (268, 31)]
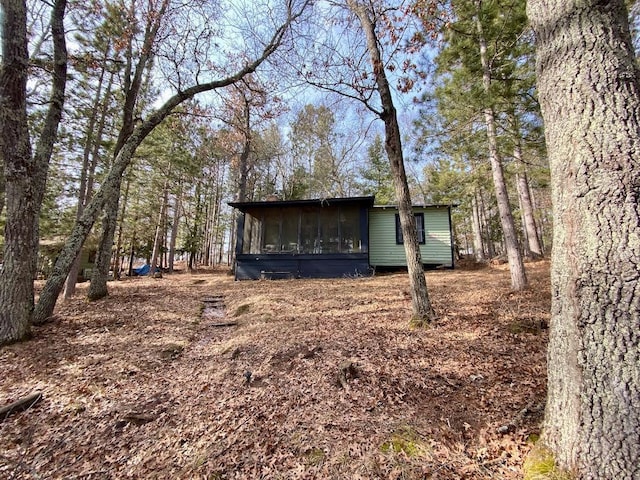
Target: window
[(419, 225)]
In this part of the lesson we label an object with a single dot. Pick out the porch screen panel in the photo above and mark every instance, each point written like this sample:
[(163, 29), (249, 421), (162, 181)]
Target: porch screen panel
[(271, 228), (252, 234), (290, 221), (309, 241), (330, 235), (351, 239)]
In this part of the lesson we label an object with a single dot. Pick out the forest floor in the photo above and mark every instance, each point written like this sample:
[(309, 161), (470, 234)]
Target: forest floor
[(318, 379)]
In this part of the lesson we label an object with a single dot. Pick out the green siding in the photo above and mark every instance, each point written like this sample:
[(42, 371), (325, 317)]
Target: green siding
[(383, 250)]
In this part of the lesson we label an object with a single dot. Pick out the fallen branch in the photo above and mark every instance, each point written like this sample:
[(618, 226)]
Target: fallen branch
[(224, 324), (19, 405), (532, 407)]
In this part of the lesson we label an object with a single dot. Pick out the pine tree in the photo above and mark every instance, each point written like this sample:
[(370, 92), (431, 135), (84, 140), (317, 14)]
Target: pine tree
[(376, 174)]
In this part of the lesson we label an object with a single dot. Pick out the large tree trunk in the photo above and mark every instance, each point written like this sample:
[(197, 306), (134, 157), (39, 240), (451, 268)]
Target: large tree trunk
[(514, 257), (134, 79), (478, 244), (21, 242), (25, 173), (423, 313), (98, 287), (3, 186), (589, 91)]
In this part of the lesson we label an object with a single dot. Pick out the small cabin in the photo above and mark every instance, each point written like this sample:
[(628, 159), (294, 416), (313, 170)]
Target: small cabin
[(325, 238), (331, 238), (50, 248)]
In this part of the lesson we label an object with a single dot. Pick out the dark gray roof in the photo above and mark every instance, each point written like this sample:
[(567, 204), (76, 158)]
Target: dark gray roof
[(322, 202)]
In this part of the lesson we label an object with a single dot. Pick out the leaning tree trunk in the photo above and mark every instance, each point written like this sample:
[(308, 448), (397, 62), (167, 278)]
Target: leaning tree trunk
[(98, 287), (589, 91), (514, 257), (25, 172), (82, 228), (423, 313), (83, 193)]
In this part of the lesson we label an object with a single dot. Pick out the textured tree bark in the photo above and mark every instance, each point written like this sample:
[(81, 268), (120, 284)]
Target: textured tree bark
[(2, 186), (18, 270), (118, 258), (478, 244), (533, 246), (528, 218), (98, 287), (589, 91), (25, 172), (516, 265), (423, 312)]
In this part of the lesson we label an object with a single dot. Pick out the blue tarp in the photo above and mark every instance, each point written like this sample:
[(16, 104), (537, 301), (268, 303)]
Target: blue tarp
[(143, 270)]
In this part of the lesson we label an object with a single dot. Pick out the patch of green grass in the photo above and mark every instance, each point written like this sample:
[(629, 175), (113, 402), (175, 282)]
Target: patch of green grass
[(171, 351), (314, 456), (540, 464), (533, 438), (242, 309), (407, 441), (523, 326), (419, 322)]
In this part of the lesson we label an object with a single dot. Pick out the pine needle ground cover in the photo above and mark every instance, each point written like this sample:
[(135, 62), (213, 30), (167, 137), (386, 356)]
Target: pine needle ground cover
[(290, 379)]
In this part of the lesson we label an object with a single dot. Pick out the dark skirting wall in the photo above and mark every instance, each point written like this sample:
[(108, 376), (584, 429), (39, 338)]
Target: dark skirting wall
[(252, 267)]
